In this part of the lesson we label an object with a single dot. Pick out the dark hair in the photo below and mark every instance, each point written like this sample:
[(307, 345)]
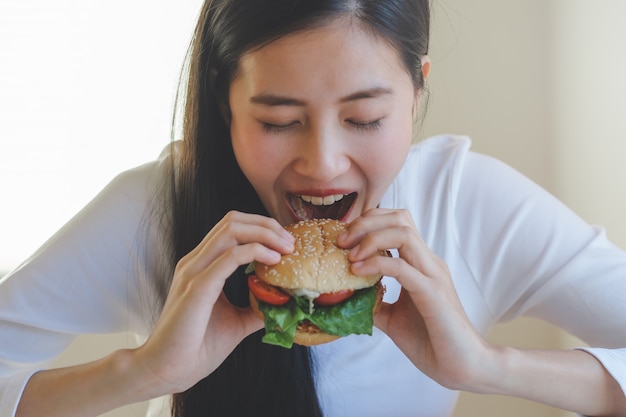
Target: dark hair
[(256, 379)]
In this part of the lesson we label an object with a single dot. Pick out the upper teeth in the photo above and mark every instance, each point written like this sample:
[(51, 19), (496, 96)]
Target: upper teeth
[(322, 201)]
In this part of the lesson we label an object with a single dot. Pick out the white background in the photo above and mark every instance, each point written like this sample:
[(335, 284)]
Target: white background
[(86, 91)]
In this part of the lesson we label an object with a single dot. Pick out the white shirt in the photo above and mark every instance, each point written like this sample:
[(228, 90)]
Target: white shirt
[(511, 247)]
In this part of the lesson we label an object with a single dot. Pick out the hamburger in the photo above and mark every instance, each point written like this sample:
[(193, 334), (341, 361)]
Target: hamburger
[(311, 297)]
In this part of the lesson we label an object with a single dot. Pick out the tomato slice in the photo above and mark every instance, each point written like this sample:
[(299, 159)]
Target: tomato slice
[(266, 292), (332, 298)]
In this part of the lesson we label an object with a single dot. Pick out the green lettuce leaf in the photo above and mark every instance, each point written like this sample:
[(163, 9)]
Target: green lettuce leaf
[(353, 316), (250, 268), (281, 322)]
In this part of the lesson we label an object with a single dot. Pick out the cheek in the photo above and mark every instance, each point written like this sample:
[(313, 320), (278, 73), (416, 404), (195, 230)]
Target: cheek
[(256, 158), (246, 151), (387, 158)]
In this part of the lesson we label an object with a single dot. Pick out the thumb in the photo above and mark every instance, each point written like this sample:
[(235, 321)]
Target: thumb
[(251, 322), (382, 317)]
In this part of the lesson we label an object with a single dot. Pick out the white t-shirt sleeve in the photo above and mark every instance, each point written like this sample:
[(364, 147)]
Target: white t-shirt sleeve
[(11, 391), (533, 256), (90, 277)]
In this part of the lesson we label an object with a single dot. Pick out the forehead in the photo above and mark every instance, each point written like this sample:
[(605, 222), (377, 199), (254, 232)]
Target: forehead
[(333, 58)]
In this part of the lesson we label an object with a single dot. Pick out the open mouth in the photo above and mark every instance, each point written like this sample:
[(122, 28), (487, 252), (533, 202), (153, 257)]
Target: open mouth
[(307, 207)]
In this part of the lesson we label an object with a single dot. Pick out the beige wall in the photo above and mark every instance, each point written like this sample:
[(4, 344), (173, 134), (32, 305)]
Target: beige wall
[(540, 85), (589, 76)]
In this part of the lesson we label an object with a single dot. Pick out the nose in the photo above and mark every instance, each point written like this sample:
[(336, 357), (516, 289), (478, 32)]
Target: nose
[(322, 156)]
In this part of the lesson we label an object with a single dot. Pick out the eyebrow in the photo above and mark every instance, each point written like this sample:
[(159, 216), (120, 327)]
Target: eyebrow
[(277, 100), (374, 92)]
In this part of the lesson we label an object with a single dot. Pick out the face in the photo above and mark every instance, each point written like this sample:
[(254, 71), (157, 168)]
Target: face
[(322, 122)]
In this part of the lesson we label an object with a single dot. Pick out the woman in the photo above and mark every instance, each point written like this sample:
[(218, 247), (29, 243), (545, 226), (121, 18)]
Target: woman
[(296, 110)]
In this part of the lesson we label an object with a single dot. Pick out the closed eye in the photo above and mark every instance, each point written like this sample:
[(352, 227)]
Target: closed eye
[(278, 128), (365, 126)]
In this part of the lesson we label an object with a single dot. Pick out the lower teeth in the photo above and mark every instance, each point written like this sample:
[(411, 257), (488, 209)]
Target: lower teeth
[(298, 207)]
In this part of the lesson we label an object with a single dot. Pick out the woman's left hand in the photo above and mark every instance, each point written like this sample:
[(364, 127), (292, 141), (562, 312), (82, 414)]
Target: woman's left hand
[(429, 325), (427, 322)]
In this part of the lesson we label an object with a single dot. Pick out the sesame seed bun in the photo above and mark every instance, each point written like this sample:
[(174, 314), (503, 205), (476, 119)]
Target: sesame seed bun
[(317, 263)]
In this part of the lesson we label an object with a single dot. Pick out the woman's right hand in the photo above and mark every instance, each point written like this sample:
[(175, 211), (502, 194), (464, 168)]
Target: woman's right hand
[(196, 331), (198, 327)]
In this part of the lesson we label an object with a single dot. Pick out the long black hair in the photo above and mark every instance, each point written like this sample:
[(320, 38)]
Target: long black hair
[(256, 379)]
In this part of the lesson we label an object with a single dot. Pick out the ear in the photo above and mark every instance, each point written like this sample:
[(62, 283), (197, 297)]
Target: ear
[(425, 66), (425, 63)]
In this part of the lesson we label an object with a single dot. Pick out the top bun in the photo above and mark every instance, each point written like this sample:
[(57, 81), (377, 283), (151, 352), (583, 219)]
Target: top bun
[(317, 263)]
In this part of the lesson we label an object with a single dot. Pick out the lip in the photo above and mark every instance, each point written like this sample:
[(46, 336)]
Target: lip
[(317, 193)]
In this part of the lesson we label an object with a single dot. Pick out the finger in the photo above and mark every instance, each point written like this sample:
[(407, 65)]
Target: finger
[(250, 320), (397, 237), (372, 220), (226, 226), (400, 313), (243, 228), (211, 280), (395, 230), (382, 318), (231, 231), (405, 273)]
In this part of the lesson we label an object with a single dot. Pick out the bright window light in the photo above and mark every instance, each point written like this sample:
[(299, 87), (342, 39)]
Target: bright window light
[(86, 92)]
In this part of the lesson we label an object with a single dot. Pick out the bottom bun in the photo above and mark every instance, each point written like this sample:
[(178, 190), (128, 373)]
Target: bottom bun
[(308, 334)]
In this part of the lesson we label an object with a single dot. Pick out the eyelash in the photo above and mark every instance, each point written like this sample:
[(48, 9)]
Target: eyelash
[(366, 127), (272, 128), (361, 127)]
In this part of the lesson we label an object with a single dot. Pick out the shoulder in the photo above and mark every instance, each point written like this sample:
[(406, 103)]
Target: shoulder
[(103, 258), (445, 166), (121, 224), (149, 175), (443, 182), (432, 161), (435, 150)]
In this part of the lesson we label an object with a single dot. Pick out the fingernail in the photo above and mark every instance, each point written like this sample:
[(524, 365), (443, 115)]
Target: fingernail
[(357, 265), (342, 237), (354, 253), (290, 245), (288, 236), (276, 256)]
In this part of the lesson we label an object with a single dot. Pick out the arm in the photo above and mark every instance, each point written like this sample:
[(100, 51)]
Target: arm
[(430, 326), (84, 390), (85, 279), (528, 255), (94, 276), (197, 324), (572, 380), (542, 260)]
